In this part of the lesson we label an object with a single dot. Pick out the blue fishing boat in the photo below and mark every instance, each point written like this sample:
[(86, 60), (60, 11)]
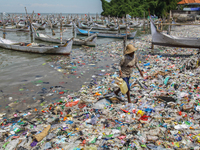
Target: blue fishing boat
[(106, 35)]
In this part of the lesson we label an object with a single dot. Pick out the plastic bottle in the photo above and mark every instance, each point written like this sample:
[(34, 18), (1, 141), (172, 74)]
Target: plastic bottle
[(123, 86), (128, 117), (147, 64)]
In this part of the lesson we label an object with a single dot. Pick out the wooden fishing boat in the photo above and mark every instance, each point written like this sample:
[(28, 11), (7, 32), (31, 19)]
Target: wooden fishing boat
[(122, 26), (54, 25), (160, 38), (68, 24), (9, 29), (25, 29), (38, 26), (12, 29), (64, 49), (103, 27), (83, 26), (140, 25), (134, 25), (97, 27), (90, 41), (21, 24), (105, 35)]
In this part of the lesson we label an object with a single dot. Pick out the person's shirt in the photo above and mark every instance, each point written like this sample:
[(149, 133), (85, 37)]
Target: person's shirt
[(126, 65)]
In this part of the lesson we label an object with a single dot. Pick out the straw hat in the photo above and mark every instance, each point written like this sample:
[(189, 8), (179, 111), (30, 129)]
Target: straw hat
[(130, 49)]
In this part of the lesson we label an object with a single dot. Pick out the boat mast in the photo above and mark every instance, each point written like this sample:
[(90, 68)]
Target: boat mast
[(29, 22), (4, 27)]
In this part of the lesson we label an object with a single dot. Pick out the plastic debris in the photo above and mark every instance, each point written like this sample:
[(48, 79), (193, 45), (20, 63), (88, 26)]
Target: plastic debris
[(164, 113)]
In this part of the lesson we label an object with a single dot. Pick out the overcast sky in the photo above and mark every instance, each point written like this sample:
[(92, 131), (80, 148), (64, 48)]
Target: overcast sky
[(51, 6)]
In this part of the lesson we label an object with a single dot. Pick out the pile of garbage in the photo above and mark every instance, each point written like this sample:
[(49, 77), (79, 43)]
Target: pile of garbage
[(164, 114)]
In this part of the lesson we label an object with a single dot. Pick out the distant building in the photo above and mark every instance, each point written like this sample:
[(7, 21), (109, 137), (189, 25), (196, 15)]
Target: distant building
[(190, 6), (190, 10), (189, 2)]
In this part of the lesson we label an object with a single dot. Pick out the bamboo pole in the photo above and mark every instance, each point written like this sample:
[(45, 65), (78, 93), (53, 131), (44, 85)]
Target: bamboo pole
[(2, 17), (170, 14), (118, 25), (148, 24), (169, 27), (96, 17), (4, 27), (4, 32), (168, 19), (29, 21), (125, 39), (157, 25), (89, 31), (60, 16), (126, 30), (124, 44), (152, 48), (144, 22), (12, 21)]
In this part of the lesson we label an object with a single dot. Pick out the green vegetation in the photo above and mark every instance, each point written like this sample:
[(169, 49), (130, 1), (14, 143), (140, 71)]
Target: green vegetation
[(137, 8)]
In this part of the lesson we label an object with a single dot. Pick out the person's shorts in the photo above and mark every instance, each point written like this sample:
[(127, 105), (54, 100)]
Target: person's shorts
[(126, 79)]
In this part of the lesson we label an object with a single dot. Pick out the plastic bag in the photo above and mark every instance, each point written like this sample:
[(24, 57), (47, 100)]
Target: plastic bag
[(101, 104)]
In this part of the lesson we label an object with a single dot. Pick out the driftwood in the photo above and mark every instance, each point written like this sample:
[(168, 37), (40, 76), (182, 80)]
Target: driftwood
[(160, 73), (43, 134)]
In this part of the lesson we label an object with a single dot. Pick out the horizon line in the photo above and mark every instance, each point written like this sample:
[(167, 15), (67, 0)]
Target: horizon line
[(46, 13)]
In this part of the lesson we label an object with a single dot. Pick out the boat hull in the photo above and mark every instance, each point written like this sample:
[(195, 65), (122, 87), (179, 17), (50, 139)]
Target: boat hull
[(68, 25), (97, 27), (105, 35), (78, 42), (163, 39), (15, 30), (42, 49)]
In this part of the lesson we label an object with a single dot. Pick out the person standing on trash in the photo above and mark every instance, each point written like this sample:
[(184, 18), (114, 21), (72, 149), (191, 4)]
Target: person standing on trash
[(126, 65)]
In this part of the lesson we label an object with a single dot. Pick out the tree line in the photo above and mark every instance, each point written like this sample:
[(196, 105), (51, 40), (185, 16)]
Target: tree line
[(137, 8)]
